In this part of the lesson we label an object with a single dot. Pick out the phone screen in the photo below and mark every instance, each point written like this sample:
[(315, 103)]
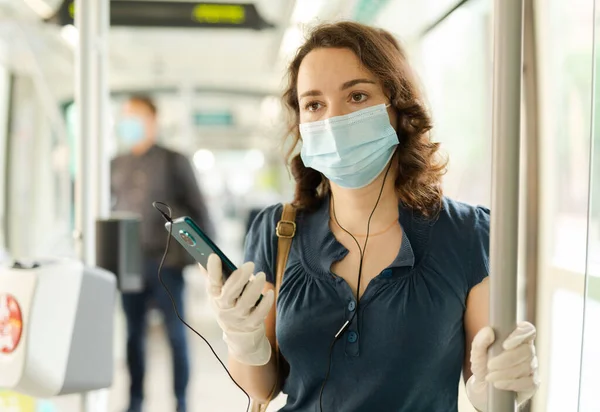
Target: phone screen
[(198, 244)]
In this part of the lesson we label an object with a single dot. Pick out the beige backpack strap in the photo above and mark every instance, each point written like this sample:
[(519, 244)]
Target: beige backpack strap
[(285, 230)]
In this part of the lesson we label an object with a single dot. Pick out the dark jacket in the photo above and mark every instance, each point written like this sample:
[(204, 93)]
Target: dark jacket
[(158, 175)]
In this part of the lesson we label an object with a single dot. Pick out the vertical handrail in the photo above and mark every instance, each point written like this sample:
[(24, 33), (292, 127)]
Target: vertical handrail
[(91, 100), (85, 142), (86, 137), (508, 30), (532, 196), (102, 96), (532, 149)]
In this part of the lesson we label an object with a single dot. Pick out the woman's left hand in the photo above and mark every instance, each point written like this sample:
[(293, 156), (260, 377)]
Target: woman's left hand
[(515, 369)]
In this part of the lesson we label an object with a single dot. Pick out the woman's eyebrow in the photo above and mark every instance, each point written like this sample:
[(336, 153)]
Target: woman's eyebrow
[(311, 93), (354, 82), (344, 86)]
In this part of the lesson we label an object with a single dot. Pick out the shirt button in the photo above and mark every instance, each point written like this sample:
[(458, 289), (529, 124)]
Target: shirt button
[(352, 337), (351, 306), (387, 273)]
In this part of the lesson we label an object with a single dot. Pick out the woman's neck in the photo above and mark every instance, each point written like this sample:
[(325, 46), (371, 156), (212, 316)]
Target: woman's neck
[(353, 207)]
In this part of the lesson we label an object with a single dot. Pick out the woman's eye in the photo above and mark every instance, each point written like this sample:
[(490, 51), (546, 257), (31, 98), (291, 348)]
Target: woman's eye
[(312, 106), (358, 97)]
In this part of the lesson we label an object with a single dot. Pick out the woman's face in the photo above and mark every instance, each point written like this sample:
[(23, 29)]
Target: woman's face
[(333, 82)]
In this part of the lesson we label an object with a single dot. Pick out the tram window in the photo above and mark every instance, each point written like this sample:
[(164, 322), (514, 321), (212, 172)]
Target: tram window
[(460, 99), (565, 50)]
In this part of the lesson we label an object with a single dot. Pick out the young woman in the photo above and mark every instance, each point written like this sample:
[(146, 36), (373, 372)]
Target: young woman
[(378, 249)]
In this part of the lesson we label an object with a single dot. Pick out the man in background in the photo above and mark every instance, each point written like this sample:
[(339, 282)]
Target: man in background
[(146, 173)]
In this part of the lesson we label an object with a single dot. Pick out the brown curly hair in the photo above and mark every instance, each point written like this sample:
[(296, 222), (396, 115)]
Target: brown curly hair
[(419, 165)]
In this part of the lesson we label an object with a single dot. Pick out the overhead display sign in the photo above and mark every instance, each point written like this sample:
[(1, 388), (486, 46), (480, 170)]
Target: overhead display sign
[(134, 13), (213, 118)]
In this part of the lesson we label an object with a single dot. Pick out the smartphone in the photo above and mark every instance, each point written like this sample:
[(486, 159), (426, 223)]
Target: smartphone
[(198, 244)]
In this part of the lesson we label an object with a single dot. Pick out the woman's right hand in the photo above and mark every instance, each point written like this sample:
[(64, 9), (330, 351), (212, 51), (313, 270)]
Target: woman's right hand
[(242, 322)]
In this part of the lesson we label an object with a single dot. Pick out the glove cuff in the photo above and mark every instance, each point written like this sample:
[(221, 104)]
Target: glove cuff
[(249, 348), (524, 397), (477, 393)]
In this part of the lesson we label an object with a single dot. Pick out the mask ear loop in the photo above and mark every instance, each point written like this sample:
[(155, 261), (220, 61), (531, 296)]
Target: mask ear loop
[(362, 251), (398, 136)]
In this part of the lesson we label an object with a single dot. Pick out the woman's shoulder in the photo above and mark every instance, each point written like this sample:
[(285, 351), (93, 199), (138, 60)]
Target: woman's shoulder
[(261, 240), (264, 223), (268, 216), (462, 224), (468, 229), (464, 215)]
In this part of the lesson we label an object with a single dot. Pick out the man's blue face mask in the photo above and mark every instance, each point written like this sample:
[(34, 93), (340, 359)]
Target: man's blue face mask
[(350, 150), (131, 131)]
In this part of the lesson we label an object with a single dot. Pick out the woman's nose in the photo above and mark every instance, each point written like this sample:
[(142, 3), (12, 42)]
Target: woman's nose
[(336, 109)]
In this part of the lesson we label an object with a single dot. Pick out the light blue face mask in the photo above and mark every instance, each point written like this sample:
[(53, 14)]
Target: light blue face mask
[(131, 131), (350, 150)]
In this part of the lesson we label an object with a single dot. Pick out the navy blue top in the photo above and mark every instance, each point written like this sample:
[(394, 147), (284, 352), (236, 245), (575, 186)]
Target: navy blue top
[(407, 353)]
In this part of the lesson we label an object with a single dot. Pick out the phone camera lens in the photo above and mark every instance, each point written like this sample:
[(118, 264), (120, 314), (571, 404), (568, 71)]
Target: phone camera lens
[(187, 238)]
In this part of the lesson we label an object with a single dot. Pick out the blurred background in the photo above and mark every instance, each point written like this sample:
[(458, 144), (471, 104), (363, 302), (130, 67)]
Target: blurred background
[(218, 95)]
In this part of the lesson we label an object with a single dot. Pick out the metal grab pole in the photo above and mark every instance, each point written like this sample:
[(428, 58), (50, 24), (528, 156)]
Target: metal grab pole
[(86, 159), (85, 139), (98, 400), (102, 95), (508, 20), (91, 101)]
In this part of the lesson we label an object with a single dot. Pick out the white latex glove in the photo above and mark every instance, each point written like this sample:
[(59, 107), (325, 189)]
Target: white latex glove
[(515, 369), (242, 323)]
